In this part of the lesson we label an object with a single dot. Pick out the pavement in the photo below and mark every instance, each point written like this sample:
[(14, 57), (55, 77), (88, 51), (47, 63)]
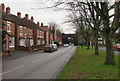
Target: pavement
[(36, 65), (104, 49), (19, 54)]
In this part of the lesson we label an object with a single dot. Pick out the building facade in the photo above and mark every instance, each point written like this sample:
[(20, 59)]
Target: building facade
[(24, 32), (9, 27)]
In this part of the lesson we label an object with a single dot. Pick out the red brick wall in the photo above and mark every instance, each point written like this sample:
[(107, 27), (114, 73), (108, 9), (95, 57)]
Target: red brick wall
[(12, 26)]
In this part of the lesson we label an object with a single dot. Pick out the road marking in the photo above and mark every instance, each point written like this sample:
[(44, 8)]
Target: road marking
[(35, 60), (12, 70)]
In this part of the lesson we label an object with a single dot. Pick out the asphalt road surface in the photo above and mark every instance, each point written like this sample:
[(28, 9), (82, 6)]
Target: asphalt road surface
[(37, 66)]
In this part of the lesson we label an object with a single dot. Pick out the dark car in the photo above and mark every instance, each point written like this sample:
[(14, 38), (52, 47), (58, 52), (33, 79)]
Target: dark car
[(48, 48)]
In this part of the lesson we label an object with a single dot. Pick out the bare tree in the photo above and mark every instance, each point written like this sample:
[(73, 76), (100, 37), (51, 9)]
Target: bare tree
[(97, 12)]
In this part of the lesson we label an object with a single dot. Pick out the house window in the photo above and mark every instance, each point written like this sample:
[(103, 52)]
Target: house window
[(11, 42), (31, 42), (40, 34), (39, 41), (25, 31), (47, 35), (30, 32), (22, 42), (21, 31), (8, 27)]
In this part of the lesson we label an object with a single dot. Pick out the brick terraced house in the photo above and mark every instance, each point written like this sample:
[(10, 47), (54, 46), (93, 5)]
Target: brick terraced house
[(9, 27), (46, 33), (24, 33)]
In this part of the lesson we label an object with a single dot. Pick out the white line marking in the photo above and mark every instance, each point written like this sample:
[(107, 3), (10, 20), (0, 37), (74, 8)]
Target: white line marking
[(12, 70), (36, 60)]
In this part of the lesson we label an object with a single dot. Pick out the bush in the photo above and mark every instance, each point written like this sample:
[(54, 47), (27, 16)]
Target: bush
[(57, 42)]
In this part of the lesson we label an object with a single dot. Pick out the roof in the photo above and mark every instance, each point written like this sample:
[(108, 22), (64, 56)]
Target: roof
[(20, 21), (45, 28), (32, 24)]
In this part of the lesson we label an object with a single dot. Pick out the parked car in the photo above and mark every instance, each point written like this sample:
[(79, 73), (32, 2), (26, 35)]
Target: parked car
[(117, 47), (48, 48), (66, 45), (55, 47)]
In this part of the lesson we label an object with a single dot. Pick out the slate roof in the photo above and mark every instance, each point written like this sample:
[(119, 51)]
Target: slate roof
[(45, 28), (20, 21)]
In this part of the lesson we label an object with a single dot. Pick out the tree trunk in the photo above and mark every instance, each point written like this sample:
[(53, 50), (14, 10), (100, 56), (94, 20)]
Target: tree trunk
[(110, 60), (88, 44), (109, 50), (96, 43)]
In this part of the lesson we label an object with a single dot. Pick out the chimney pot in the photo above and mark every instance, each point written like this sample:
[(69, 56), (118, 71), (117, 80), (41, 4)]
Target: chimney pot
[(8, 10), (38, 23), (19, 14), (32, 18), (41, 24), (26, 16), (3, 7)]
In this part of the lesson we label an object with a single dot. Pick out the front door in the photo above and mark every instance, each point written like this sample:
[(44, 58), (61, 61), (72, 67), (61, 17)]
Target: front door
[(5, 47)]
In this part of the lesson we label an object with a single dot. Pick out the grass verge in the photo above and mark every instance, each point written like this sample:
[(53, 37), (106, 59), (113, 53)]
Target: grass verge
[(85, 65)]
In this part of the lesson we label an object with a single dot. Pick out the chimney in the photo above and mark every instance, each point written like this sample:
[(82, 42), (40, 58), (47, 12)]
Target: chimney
[(32, 18), (8, 10), (19, 14), (41, 24), (2, 7), (50, 28), (53, 28), (38, 23), (26, 16)]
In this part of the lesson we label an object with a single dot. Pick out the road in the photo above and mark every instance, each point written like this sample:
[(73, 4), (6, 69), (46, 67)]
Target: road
[(37, 66), (116, 52)]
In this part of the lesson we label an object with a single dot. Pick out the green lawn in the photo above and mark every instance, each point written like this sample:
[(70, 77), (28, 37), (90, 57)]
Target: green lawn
[(85, 65)]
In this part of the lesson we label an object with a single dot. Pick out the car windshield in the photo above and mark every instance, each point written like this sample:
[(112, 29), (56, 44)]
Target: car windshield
[(53, 44), (118, 45), (48, 46)]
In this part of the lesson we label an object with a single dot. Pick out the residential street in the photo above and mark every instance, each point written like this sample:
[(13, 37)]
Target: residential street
[(38, 65)]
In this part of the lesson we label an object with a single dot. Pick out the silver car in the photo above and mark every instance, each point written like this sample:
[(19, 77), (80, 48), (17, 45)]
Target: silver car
[(54, 46)]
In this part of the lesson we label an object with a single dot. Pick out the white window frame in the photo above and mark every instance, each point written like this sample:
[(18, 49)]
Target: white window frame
[(47, 35), (25, 31), (30, 31), (8, 26), (31, 42), (40, 34), (12, 43), (38, 41), (22, 42), (21, 30)]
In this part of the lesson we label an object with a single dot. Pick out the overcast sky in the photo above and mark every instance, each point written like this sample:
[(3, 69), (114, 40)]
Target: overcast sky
[(30, 7)]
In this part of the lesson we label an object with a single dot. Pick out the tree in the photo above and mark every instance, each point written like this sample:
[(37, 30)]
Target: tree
[(87, 15), (108, 30), (101, 10)]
